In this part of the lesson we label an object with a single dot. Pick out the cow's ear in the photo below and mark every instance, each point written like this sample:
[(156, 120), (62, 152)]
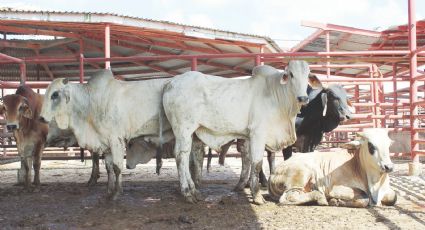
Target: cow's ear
[(360, 134), (65, 81), (284, 78), (349, 103), (26, 110), (314, 81), (66, 95), (352, 145), (2, 109)]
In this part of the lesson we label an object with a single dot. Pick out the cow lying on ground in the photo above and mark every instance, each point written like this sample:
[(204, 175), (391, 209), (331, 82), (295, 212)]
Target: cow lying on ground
[(22, 111), (338, 178), (105, 114), (219, 110)]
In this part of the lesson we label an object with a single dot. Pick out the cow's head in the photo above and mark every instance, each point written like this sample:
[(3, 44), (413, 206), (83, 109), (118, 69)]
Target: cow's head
[(55, 104), (297, 76), (14, 108), (335, 102), (138, 151), (374, 146)]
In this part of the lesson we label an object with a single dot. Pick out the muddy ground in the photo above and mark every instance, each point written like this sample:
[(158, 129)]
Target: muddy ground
[(153, 202)]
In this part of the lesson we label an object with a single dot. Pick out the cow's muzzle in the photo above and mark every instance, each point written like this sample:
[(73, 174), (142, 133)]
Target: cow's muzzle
[(343, 118), (129, 167), (303, 99), (41, 119), (12, 127), (388, 168)]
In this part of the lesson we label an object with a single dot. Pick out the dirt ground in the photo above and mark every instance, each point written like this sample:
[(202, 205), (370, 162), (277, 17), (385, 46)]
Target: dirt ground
[(150, 201)]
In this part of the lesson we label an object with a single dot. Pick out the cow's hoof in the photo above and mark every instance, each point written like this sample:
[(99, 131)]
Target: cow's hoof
[(191, 199), (115, 196), (197, 183), (198, 195), (28, 188), (333, 202), (92, 182), (239, 187), (323, 202), (112, 196), (264, 184), (259, 200)]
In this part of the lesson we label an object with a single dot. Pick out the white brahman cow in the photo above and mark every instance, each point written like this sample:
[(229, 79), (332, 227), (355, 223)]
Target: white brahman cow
[(105, 114), (338, 178), (260, 109)]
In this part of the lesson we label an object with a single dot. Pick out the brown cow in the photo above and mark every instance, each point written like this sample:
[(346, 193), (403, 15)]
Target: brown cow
[(21, 115)]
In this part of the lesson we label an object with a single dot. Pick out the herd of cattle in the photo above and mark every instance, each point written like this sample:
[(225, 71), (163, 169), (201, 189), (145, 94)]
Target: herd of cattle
[(178, 117)]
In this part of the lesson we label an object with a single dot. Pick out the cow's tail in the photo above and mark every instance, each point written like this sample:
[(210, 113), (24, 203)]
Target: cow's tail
[(276, 186), (161, 139)]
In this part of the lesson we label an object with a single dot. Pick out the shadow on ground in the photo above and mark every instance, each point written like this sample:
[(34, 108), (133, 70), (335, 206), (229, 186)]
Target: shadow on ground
[(143, 205)]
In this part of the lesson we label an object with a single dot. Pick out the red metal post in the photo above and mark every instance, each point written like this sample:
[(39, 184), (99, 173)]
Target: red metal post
[(413, 82), (81, 52), (375, 98), (23, 69), (395, 99), (328, 69), (194, 64), (257, 60), (107, 46), (81, 60)]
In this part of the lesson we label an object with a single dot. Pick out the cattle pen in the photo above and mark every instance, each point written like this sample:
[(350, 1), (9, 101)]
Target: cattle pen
[(382, 72)]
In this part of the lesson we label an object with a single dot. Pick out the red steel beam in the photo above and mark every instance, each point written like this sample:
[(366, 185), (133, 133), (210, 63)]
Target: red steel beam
[(20, 30), (328, 49), (413, 83), (339, 28), (310, 38), (81, 60), (107, 45), (216, 56), (247, 55)]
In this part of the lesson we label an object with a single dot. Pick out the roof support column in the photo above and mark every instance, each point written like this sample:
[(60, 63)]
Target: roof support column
[(375, 95), (194, 64), (81, 59), (257, 60), (328, 48), (414, 166), (107, 45), (395, 108), (23, 69)]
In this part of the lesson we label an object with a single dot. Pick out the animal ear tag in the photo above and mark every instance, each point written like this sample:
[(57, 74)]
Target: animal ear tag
[(324, 103)]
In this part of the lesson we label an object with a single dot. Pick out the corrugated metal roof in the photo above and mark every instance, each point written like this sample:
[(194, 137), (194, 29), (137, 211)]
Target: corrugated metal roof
[(90, 17), (346, 41), (130, 36)]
